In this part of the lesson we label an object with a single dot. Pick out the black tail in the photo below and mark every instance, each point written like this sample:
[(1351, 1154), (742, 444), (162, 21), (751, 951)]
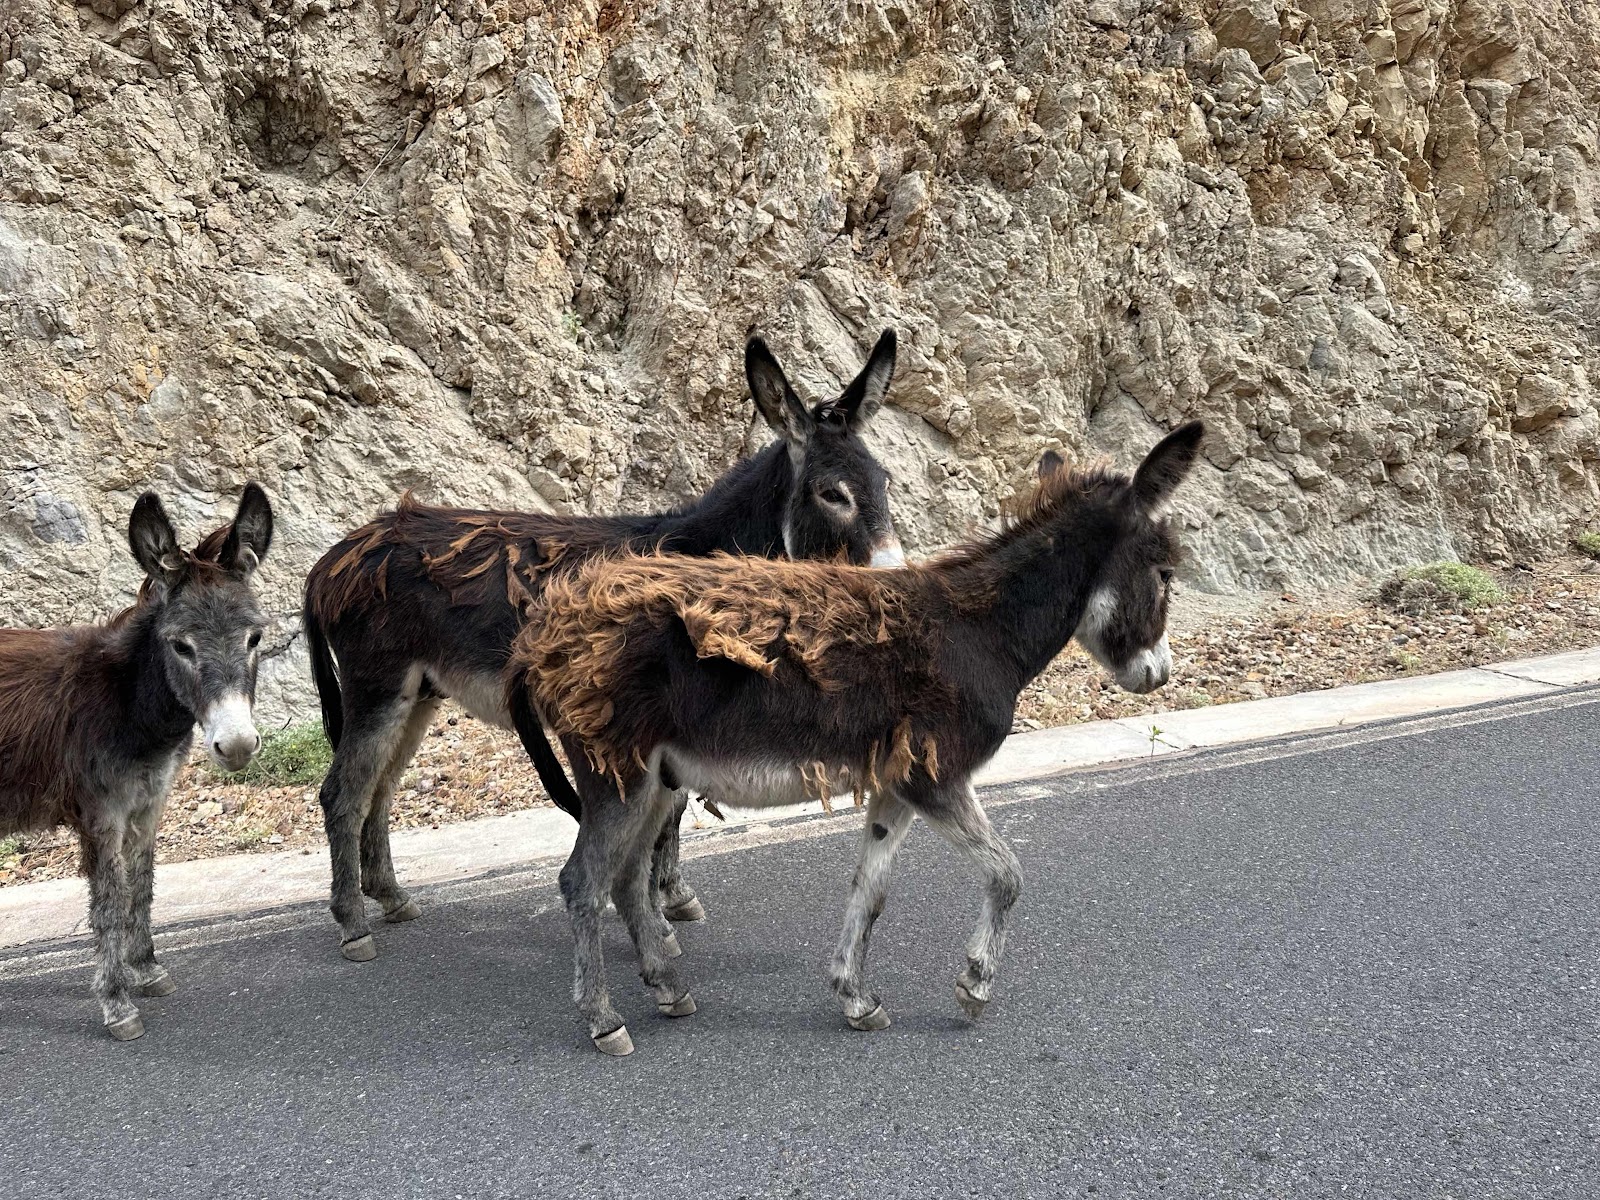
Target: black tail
[(531, 730), (327, 679)]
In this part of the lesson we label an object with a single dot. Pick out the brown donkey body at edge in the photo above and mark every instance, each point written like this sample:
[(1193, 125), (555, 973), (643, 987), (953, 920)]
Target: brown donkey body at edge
[(423, 603), (95, 721), (767, 683)]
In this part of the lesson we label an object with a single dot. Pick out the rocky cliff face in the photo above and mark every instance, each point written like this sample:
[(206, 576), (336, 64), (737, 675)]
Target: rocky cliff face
[(508, 251)]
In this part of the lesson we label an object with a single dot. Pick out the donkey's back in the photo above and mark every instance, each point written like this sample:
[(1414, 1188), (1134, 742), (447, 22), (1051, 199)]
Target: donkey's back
[(47, 690)]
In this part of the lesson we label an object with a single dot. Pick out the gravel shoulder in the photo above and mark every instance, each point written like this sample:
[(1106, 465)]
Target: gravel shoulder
[(1226, 649)]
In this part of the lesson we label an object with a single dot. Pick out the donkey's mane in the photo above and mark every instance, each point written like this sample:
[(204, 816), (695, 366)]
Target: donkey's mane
[(1034, 511)]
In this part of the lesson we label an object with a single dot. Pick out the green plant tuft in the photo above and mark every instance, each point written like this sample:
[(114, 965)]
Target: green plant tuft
[(1450, 585), (297, 755), (1588, 543)]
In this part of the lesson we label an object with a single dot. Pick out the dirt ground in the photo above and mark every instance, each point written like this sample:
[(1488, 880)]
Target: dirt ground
[(1225, 649)]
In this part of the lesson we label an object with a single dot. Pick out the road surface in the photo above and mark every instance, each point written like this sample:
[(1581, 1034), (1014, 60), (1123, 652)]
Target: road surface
[(1363, 966)]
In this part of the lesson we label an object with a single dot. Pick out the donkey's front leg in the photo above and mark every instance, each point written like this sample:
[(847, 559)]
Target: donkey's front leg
[(957, 815), (888, 820), (151, 978), (108, 913)]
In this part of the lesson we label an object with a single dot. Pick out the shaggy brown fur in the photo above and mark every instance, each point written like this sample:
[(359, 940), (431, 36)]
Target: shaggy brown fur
[(822, 623), (470, 554), (820, 627)]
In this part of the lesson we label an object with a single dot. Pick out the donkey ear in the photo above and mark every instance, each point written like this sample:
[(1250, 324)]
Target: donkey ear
[(864, 396), (773, 395), (154, 542), (1049, 463), (250, 536), (1165, 467)]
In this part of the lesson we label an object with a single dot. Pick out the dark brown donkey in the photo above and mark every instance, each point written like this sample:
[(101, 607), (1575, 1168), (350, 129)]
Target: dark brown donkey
[(424, 603), (765, 683), (95, 720)]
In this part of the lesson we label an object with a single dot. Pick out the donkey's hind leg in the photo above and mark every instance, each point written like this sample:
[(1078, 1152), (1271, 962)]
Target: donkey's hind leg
[(372, 728), (377, 867), (103, 863), (677, 899), (633, 893), (139, 949), (959, 818), (888, 821)]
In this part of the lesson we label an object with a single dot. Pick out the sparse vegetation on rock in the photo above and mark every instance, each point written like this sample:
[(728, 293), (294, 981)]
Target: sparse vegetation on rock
[(1447, 586)]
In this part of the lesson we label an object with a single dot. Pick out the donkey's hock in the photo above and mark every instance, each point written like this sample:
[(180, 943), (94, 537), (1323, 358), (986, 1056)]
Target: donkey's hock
[(95, 721), (423, 603), (765, 683)]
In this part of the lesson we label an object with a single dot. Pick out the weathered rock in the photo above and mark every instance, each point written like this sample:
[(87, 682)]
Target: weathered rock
[(509, 253)]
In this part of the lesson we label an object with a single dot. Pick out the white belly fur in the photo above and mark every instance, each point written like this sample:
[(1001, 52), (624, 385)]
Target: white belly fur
[(747, 783), (482, 695)]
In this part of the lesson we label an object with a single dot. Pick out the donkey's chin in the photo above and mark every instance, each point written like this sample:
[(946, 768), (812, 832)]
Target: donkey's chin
[(1145, 671), (230, 732)]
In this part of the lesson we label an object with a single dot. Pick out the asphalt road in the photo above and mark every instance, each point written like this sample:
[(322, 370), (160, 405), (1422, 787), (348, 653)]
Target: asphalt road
[(1369, 970)]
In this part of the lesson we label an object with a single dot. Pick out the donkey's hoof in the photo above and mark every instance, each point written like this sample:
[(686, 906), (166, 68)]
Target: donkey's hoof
[(687, 910), (683, 1006), (670, 943), (409, 911), (875, 1020), (972, 1005), (126, 1029), (159, 984), (361, 949), (617, 1043)]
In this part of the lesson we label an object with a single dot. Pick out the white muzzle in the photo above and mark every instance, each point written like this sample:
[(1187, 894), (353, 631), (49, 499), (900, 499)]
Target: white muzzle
[(888, 553), (230, 732)]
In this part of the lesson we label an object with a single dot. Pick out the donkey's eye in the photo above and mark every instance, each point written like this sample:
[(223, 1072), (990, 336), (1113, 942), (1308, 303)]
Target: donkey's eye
[(833, 495), (183, 649), (1166, 576), (254, 641)]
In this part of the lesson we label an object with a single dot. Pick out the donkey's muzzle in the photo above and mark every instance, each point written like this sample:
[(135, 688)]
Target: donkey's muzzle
[(1147, 670), (230, 733), (888, 553)]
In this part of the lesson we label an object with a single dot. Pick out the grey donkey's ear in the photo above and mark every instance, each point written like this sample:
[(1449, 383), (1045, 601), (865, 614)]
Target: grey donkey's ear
[(1165, 467), (770, 389), (864, 397), (250, 536), (154, 542)]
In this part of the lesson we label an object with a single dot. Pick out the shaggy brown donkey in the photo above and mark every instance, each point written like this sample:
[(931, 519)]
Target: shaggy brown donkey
[(424, 602), (95, 720), (763, 683)]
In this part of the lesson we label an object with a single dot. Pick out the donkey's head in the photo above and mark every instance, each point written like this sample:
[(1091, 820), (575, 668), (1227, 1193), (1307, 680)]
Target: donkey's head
[(1124, 625), (840, 498), (207, 625)]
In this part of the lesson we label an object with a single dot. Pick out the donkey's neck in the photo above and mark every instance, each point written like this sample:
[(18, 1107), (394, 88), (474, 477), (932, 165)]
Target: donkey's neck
[(1040, 585), (742, 513), (155, 720)]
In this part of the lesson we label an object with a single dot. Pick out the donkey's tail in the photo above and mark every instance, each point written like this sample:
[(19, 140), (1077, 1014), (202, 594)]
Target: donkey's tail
[(534, 740), (327, 678)]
